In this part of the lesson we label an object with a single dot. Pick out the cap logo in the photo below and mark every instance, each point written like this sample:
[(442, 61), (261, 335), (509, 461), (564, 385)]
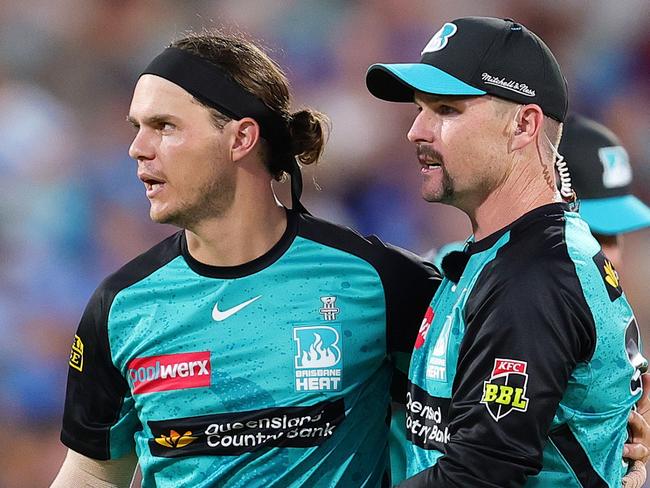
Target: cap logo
[(440, 38), (511, 85), (616, 166)]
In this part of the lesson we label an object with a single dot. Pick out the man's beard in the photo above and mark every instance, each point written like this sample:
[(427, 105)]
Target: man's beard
[(445, 195), (447, 190), (212, 200)]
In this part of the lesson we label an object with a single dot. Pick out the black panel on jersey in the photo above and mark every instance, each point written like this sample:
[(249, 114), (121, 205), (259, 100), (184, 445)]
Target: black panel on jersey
[(577, 458), (248, 431), (103, 388), (409, 282), (551, 334), (610, 276)]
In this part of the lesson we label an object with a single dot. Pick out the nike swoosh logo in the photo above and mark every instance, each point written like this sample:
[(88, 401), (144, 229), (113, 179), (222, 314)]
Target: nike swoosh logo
[(218, 315)]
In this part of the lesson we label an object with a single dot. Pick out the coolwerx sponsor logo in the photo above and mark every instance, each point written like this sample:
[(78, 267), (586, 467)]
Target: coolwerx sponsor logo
[(232, 434), (169, 372), (426, 422)]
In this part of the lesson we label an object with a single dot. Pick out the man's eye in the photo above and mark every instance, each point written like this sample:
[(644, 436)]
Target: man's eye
[(166, 126), (447, 110)]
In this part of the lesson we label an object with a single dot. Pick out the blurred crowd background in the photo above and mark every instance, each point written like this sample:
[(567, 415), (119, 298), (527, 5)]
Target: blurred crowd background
[(72, 209)]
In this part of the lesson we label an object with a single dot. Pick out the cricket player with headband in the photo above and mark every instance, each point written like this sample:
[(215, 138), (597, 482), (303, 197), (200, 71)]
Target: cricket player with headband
[(256, 347)]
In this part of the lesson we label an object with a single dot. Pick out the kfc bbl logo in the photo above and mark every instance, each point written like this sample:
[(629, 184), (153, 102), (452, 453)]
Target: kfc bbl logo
[(505, 391)]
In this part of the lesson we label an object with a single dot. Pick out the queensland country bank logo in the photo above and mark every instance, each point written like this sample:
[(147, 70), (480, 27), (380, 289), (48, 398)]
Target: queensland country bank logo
[(505, 390), (169, 372), (318, 358), (609, 275), (175, 440)]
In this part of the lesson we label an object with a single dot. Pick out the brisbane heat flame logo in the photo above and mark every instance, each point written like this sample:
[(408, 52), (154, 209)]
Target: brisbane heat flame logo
[(318, 358)]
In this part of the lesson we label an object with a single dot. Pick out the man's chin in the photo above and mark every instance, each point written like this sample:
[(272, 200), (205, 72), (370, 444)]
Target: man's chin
[(163, 218), (433, 197), (438, 195)]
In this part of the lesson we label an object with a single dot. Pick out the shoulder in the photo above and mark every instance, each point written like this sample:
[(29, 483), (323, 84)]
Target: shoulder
[(384, 257), (533, 284), (140, 267), (535, 268), (544, 252)]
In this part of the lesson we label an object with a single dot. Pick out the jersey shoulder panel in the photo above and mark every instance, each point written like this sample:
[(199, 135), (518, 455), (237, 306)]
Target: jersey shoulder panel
[(144, 264), (385, 258), (96, 390), (536, 273), (409, 282)]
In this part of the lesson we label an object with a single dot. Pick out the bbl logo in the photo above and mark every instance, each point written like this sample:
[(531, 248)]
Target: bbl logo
[(318, 358), (505, 391)]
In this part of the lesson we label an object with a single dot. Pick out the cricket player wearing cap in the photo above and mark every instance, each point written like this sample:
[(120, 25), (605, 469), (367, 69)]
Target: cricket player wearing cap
[(601, 175), (527, 364)]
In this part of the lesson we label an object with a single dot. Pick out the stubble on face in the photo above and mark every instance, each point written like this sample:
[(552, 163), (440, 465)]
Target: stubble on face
[(211, 200)]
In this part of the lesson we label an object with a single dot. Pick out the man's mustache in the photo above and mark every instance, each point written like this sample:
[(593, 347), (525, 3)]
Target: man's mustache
[(427, 152)]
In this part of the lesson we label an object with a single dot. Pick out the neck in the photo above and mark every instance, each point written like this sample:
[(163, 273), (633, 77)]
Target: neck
[(520, 192), (254, 223)]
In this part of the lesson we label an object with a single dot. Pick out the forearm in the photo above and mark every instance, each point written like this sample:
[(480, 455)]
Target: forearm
[(84, 472)]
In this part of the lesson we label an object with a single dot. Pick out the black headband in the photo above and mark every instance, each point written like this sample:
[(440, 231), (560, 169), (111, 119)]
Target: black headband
[(211, 85)]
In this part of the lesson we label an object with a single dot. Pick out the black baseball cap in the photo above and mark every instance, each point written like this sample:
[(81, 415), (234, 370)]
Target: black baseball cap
[(601, 176), (476, 56)]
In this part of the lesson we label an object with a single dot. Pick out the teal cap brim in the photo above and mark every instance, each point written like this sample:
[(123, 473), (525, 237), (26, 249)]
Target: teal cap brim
[(397, 82), (615, 215)]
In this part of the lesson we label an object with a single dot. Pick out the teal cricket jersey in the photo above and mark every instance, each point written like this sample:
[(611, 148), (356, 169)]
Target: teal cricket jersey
[(527, 364), (275, 373)]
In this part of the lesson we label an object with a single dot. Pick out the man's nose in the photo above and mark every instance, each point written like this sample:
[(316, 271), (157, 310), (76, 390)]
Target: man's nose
[(141, 147)]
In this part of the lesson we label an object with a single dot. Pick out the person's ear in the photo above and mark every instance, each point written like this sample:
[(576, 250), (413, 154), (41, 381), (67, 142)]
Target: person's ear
[(528, 124), (246, 134)]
